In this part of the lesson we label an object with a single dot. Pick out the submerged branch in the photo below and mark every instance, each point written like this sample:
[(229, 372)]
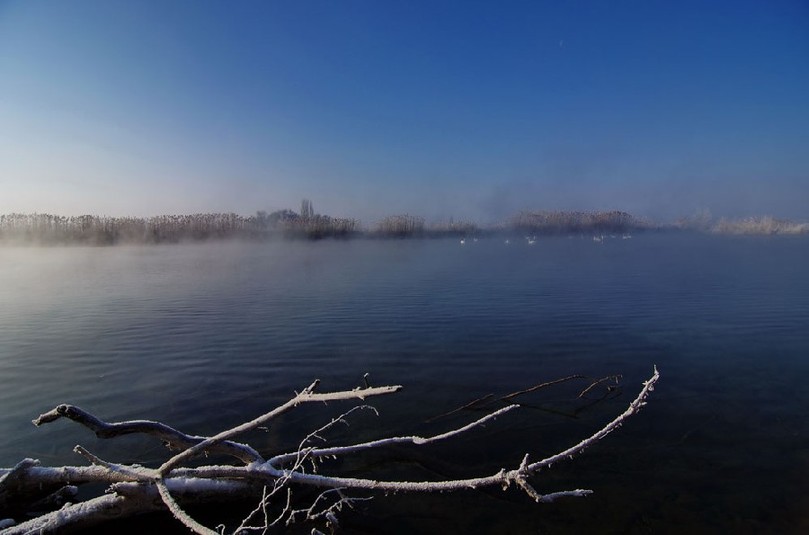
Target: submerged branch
[(474, 404), (541, 385)]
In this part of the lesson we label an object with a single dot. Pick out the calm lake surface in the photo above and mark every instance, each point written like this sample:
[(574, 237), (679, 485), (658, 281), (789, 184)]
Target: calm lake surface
[(205, 336)]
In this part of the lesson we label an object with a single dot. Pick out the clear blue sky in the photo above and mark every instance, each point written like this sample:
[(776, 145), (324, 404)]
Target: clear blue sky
[(469, 109)]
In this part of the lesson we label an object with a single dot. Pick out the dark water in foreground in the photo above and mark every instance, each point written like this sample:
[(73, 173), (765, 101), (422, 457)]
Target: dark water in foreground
[(203, 337)]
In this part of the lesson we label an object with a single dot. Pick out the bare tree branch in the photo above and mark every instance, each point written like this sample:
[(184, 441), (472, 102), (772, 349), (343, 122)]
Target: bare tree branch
[(342, 450), (304, 397), (126, 499), (136, 489), (174, 439)]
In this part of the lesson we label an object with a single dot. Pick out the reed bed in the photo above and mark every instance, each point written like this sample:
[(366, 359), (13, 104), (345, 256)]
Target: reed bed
[(759, 225), (399, 226)]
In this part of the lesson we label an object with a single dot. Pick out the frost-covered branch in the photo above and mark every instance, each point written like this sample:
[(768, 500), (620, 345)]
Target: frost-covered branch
[(173, 439), (278, 460), (308, 395), (136, 489)]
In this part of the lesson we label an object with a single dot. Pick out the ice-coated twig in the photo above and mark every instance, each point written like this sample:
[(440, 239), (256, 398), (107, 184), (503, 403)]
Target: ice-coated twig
[(302, 452), (330, 512), (263, 508)]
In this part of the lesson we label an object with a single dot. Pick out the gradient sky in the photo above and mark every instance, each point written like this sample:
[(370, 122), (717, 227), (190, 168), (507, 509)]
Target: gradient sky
[(368, 108)]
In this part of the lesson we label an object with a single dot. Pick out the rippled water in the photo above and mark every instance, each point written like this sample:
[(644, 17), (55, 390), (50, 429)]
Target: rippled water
[(205, 336)]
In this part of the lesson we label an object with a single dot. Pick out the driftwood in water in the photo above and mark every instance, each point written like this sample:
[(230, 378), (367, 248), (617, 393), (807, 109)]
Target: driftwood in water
[(45, 495)]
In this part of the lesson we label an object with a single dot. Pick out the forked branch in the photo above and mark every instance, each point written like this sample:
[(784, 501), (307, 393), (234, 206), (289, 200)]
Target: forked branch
[(135, 489), (173, 439)]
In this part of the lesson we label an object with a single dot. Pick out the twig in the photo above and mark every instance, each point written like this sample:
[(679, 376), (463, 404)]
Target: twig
[(542, 385), (469, 405), (615, 378)]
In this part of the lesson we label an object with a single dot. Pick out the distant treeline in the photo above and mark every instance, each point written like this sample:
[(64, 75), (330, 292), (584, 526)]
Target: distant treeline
[(545, 223), (50, 229), (102, 230), (761, 225)]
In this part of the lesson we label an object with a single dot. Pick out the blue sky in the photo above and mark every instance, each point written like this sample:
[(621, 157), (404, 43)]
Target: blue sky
[(464, 109)]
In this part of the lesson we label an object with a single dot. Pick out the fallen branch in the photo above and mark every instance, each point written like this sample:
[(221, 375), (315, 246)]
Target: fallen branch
[(173, 439), (136, 489)]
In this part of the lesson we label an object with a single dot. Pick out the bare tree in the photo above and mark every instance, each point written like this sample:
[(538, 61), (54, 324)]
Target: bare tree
[(30, 488), (307, 211)]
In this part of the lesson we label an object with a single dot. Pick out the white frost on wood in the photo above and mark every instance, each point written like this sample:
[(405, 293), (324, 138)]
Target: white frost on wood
[(419, 441), (306, 396), (138, 489)]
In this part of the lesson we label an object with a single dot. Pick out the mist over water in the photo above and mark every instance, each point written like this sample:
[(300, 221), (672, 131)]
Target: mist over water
[(205, 336), (592, 187)]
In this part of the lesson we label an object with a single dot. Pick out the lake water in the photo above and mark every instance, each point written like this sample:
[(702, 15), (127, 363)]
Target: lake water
[(204, 336)]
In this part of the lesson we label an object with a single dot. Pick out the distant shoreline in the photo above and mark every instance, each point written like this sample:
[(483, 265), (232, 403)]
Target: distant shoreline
[(47, 229)]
